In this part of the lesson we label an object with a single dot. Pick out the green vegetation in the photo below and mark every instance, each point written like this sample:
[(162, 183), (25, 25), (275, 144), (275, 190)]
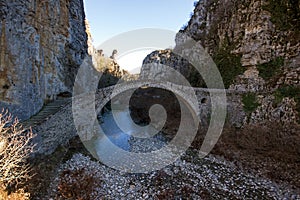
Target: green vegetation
[(285, 14), (288, 91), (270, 69), (228, 64), (250, 103)]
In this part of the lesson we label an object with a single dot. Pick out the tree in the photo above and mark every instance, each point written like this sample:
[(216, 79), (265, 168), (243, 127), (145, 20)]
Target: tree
[(15, 149)]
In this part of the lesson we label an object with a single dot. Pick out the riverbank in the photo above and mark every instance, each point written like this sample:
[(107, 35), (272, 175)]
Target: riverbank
[(256, 161), (71, 170), (188, 178), (270, 149)]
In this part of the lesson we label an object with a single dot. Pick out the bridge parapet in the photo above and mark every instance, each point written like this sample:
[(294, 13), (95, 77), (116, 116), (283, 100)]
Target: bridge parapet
[(197, 98)]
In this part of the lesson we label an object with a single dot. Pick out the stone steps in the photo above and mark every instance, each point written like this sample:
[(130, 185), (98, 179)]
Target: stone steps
[(47, 111)]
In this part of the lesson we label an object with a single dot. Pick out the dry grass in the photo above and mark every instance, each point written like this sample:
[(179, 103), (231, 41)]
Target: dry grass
[(80, 179), (17, 195), (46, 168), (77, 185), (272, 150)]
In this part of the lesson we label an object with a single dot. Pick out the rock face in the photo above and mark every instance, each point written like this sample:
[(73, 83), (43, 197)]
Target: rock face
[(42, 46), (250, 31), (152, 68), (255, 45), (108, 66), (247, 25), (110, 70)]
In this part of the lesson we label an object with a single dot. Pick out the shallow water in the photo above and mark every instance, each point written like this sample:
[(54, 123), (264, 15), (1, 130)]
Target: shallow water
[(121, 134)]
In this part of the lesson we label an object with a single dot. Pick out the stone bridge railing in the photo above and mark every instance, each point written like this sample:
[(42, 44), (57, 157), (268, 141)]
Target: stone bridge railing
[(197, 98)]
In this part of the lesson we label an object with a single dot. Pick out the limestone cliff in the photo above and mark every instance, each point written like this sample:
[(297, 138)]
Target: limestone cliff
[(245, 38), (255, 45), (263, 35), (42, 45), (109, 68)]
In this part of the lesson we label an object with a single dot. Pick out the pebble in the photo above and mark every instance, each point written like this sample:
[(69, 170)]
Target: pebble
[(182, 180)]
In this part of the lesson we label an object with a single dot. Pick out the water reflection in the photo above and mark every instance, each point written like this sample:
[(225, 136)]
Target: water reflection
[(114, 134)]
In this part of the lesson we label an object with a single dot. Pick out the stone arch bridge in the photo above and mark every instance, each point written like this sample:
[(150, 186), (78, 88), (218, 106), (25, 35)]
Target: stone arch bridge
[(58, 126), (198, 98)]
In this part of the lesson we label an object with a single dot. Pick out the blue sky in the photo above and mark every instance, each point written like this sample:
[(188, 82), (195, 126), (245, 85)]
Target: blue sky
[(109, 18)]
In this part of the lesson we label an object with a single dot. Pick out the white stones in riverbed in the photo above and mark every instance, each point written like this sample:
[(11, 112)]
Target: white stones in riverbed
[(201, 178)]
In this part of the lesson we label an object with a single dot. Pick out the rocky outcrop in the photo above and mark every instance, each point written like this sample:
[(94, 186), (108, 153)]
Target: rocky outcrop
[(91, 49), (248, 26), (255, 45), (152, 67), (109, 68), (42, 46), (248, 30), (283, 113), (108, 64)]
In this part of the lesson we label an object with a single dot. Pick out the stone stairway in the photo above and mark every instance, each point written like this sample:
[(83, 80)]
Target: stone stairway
[(46, 112)]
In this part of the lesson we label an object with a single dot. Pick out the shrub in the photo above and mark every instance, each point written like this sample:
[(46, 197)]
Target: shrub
[(15, 148), (270, 69), (17, 195), (184, 27), (270, 148), (228, 64), (285, 14), (288, 91), (77, 184), (80, 178), (196, 3), (250, 103)]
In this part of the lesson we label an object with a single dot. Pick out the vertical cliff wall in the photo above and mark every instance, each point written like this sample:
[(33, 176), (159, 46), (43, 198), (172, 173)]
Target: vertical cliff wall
[(43, 42), (252, 38), (248, 40), (255, 45)]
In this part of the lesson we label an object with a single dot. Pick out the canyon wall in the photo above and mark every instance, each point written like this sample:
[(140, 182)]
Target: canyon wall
[(42, 46), (250, 38), (108, 68), (245, 39), (255, 45)]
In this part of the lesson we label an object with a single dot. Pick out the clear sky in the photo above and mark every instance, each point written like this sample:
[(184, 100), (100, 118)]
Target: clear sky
[(109, 18)]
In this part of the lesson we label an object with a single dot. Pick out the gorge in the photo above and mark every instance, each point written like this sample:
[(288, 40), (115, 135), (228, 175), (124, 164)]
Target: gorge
[(254, 45)]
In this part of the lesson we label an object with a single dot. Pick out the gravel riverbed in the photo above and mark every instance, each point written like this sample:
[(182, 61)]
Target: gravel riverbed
[(188, 178)]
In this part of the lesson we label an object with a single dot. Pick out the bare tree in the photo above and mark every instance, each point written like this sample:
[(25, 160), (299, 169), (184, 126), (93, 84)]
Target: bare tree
[(15, 148)]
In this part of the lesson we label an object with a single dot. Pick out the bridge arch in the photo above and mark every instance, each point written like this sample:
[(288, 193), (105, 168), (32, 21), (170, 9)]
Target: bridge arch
[(187, 94)]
